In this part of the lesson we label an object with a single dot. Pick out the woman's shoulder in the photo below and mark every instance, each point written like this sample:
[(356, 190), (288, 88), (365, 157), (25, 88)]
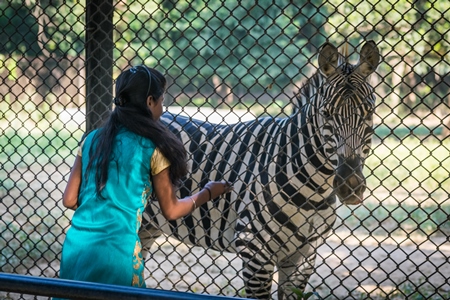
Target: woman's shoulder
[(87, 136)]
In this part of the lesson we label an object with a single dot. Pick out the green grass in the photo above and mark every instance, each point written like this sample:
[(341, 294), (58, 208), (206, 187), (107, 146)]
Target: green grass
[(402, 131), (410, 166), (52, 145), (397, 219), (407, 192), (27, 244)]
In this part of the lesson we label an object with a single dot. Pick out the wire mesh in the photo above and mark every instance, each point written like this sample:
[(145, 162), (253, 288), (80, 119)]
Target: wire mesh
[(227, 63)]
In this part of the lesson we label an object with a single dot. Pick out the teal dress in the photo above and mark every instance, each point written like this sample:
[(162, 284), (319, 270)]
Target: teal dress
[(102, 244)]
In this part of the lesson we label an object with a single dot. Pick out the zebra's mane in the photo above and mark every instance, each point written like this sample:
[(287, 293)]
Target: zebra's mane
[(307, 91)]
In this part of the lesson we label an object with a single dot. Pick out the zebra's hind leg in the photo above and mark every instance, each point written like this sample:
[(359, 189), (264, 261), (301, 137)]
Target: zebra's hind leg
[(258, 267), (294, 272)]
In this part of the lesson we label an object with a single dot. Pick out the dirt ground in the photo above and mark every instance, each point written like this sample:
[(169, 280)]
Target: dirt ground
[(346, 266)]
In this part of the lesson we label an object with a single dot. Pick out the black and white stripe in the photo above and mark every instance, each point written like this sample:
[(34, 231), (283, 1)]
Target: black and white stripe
[(284, 172)]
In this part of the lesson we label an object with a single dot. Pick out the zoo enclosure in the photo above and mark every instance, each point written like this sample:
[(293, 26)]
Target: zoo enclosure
[(232, 61)]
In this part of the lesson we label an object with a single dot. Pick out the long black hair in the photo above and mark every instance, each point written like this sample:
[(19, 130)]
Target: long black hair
[(133, 87)]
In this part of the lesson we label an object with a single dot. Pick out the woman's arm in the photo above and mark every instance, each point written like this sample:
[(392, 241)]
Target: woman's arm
[(173, 208), (70, 196)]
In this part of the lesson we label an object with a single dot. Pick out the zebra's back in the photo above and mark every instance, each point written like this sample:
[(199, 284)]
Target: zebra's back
[(237, 153)]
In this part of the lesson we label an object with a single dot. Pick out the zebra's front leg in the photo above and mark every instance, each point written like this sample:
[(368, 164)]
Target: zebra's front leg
[(147, 235), (258, 267), (294, 272)]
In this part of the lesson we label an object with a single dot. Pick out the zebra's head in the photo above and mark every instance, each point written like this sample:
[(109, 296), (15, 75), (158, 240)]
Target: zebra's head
[(345, 113)]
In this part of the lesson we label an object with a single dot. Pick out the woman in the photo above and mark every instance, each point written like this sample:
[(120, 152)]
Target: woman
[(116, 170)]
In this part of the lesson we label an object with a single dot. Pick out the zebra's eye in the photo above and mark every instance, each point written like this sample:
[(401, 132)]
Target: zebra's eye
[(326, 114)]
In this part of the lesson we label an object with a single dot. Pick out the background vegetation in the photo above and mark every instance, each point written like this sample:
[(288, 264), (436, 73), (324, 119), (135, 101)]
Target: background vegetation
[(234, 52)]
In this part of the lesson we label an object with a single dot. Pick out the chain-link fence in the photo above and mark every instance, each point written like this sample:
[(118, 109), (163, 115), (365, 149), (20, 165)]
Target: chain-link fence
[(229, 62)]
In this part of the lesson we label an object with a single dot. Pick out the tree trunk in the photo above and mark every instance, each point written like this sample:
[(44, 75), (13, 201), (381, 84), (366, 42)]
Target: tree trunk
[(446, 122), (398, 70)]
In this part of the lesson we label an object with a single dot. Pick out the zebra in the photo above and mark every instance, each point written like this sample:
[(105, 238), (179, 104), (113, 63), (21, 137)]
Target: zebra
[(287, 175)]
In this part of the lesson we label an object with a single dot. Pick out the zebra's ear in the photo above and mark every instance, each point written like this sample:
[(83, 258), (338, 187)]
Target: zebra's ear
[(328, 59), (369, 58)]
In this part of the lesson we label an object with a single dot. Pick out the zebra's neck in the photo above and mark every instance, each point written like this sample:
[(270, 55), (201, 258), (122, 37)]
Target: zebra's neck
[(307, 116)]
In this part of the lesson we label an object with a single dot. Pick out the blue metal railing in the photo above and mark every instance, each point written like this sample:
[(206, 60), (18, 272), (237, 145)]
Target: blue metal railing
[(53, 287)]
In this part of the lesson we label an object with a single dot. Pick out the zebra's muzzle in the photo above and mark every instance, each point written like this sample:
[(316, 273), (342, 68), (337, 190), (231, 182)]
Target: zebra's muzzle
[(349, 183)]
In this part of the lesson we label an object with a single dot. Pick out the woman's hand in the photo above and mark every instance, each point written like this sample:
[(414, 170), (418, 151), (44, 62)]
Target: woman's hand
[(173, 208), (217, 188)]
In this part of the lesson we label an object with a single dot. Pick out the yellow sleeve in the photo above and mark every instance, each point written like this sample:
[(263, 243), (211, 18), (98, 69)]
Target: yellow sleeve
[(79, 148), (159, 162)]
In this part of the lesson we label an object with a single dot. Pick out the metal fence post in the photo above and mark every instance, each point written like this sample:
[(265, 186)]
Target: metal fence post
[(99, 61)]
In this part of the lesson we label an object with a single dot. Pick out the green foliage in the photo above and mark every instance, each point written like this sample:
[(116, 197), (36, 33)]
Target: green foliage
[(413, 38), (425, 23), (16, 18), (196, 40), (11, 66), (248, 46), (301, 295), (63, 28)]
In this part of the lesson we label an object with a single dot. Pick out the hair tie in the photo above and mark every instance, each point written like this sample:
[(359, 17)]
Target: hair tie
[(119, 101), (134, 70)]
